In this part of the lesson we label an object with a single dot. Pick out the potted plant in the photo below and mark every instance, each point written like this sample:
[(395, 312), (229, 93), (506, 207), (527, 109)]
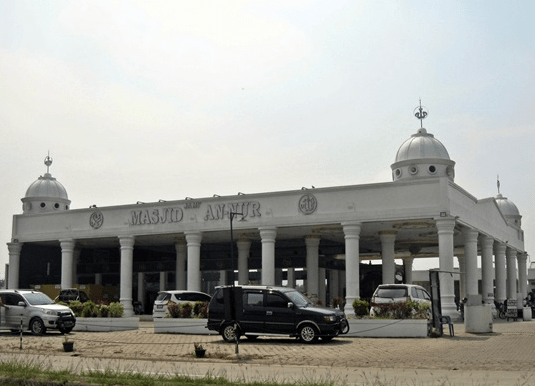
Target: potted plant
[(68, 346), (199, 350)]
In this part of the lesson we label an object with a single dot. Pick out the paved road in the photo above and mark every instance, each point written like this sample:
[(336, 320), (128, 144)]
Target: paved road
[(505, 357)]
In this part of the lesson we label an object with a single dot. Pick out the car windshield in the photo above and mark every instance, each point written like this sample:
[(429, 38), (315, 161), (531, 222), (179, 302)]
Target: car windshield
[(298, 298), (163, 297), (38, 299)]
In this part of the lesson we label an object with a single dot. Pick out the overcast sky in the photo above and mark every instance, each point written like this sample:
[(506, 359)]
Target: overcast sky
[(148, 100)]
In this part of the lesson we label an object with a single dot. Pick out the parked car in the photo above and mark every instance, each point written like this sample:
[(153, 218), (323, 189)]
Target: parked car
[(393, 293), (69, 294), (178, 296), (36, 311), (266, 310)]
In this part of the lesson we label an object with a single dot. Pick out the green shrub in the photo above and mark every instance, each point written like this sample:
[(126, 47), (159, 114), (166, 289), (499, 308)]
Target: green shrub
[(200, 310), (76, 306), (89, 310), (402, 310), (361, 307), (186, 310), (116, 310), (104, 310)]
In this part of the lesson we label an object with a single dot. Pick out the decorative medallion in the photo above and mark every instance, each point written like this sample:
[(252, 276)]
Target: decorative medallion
[(308, 204), (96, 220)]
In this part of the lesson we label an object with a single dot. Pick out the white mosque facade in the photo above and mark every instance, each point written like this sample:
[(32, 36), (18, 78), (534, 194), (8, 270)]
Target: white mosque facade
[(320, 235)]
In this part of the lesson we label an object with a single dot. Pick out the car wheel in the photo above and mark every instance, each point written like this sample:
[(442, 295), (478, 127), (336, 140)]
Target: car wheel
[(308, 334), (230, 333), (37, 327)]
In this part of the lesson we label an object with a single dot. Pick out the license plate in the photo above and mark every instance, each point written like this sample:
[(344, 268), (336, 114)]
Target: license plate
[(159, 307)]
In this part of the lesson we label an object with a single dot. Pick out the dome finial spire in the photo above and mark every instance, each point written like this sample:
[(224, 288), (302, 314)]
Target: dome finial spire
[(48, 162), (420, 112)]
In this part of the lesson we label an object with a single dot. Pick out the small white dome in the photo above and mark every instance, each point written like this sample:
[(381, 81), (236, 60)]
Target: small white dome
[(421, 145), (47, 186), (509, 210), (46, 194)]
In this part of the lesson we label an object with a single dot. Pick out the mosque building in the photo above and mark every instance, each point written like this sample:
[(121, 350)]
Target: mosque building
[(319, 235)]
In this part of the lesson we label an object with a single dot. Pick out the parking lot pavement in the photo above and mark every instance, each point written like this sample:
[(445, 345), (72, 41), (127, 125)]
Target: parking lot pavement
[(505, 356)]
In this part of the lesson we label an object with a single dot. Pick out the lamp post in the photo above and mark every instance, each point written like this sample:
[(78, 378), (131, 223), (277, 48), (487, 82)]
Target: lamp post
[(231, 217)]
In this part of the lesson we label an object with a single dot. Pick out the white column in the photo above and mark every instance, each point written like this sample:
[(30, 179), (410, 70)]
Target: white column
[(141, 288), (462, 276), (223, 277), (244, 247), (291, 277), (511, 273), (322, 295), (388, 239), (334, 283), (163, 280), (312, 245), (67, 257), (445, 227), (487, 272), (268, 236), (194, 261), (127, 264), (180, 267), (522, 274), (407, 265), (352, 238), (499, 262), (470, 255), (14, 265)]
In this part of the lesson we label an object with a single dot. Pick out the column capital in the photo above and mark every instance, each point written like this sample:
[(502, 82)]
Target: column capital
[(486, 241), (127, 241), (312, 240), (511, 253), (193, 238), (352, 229), (14, 248), (522, 256), (268, 233), (499, 248), (445, 224), (67, 244), (470, 235), (388, 236)]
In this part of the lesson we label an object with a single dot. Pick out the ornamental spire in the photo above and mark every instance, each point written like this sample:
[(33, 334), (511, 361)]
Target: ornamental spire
[(421, 113)]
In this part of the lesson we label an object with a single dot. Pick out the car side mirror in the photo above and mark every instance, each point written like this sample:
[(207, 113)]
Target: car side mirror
[(21, 303), (290, 305)]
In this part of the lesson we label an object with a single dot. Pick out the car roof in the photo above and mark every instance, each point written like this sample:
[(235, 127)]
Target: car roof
[(182, 292), (401, 285), (258, 287)]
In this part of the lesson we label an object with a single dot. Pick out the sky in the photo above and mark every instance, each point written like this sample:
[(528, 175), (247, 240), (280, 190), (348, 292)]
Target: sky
[(141, 101)]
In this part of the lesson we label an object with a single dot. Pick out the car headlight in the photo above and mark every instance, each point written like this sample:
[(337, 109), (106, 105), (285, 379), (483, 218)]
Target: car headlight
[(330, 318), (51, 312)]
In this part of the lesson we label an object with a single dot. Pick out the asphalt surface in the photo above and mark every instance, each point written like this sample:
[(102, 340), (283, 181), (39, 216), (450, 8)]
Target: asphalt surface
[(504, 357)]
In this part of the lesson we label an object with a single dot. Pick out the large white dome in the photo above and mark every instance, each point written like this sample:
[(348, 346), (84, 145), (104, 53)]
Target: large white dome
[(421, 145), (509, 210)]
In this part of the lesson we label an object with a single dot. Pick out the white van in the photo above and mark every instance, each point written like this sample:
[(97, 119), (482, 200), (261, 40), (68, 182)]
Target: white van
[(393, 293)]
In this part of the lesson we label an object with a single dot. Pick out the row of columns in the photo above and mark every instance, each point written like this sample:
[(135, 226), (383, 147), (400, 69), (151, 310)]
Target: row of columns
[(190, 252)]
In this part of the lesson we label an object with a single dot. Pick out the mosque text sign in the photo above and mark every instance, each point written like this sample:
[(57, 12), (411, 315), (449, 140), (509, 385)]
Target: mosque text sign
[(156, 216), (220, 211)]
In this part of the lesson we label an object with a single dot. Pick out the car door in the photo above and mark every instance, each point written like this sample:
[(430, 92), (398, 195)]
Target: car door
[(15, 312), (254, 312), (280, 319)]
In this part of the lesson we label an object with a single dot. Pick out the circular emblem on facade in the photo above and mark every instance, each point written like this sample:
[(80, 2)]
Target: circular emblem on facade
[(96, 220), (308, 204)]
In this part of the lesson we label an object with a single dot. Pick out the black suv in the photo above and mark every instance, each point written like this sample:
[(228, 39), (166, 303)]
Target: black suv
[(265, 310)]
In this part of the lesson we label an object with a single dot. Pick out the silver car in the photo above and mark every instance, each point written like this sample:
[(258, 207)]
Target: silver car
[(34, 311)]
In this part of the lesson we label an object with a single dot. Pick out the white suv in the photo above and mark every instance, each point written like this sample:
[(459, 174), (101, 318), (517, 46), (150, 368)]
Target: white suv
[(178, 296), (34, 311), (394, 293)]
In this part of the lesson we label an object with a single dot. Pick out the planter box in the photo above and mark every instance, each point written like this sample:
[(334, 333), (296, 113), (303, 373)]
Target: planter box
[(106, 324), (387, 328), (181, 326)]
